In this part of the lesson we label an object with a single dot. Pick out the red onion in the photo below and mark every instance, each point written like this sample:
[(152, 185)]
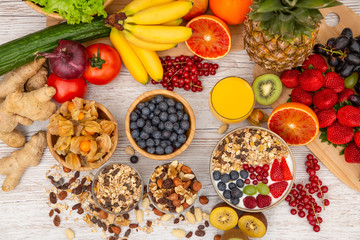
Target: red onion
[(68, 60)]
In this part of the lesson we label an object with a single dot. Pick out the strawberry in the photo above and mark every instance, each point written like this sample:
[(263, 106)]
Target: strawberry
[(290, 78), (278, 188), (357, 138), (352, 153), (250, 202), (349, 116), (301, 96), (326, 117), (325, 99), (285, 169), (311, 80), (317, 61), (339, 134), (334, 81), (263, 201), (344, 95), (275, 173)]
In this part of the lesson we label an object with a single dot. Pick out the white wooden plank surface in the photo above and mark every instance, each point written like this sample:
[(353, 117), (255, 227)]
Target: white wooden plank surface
[(24, 213)]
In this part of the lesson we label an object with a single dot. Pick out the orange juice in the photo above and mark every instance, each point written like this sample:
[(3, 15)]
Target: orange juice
[(231, 100)]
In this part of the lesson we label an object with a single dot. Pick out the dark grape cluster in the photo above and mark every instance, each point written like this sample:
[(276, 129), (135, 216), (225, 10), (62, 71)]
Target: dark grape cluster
[(184, 72)]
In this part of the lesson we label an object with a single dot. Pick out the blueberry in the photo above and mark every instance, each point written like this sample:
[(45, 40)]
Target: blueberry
[(176, 126), (159, 150), (140, 122), (140, 106), (240, 183), (156, 134), (237, 193), (244, 174), (186, 117), (153, 101), (173, 137), (157, 112), (141, 144), (180, 131), (166, 134), (168, 125), (150, 150), (177, 144), (135, 133), (169, 149), (133, 125), (159, 98), (151, 107), (234, 175), (137, 111), (179, 106), (134, 159), (232, 185), (168, 143), (184, 124), (225, 178), (180, 114), (150, 142), (146, 104), (144, 135), (164, 116), (173, 118), (216, 175), (235, 201), (163, 144), (163, 106), (171, 110), (148, 129), (227, 194), (161, 126), (151, 115), (170, 102), (145, 111), (181, 138), (157, 141), (221, 186), (155, 121), (134, 116)]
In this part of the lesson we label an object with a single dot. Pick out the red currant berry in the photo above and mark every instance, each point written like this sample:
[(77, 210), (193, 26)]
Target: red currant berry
[(251, 169), (294, 192), (266, 167), (189, 62), (316, 189), (312, 223), (265, 174), (310, 218), (313, 184), (308, 163), (292, 204), (301, 214), (247, 181), (320, 182), (293, 211), (194, 89), (205, 65), (170, 88), (246, 166), (153, 81), (265, 181), (300, 207), (288, 198), (316, 228), (199, 89), (315, 161), (302, 193), (255, 182), (216, 66), (309, 156), (206, 73), (311, 191), (307, 186), (186, 87), (319, 195), (312, 200), (299, 186), (326, 202), (259, 178), (307, 206), (258, 169), (311, 172), (252, 176), (324, 189), (317, 167)]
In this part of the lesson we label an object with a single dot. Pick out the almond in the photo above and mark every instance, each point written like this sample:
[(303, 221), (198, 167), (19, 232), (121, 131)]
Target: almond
[(186, 169), (158, 212), (173, 196), (159, 182), (69, 234), (145, 203), (203, 200), (179, 233), (166, 217), (223, 128), (198, 215), (129, 151), (196, 186), (180, 209), (103, 214), (177, 181), (187, 184), (176, 203), (190, 217), (189, 176), (139, 216)]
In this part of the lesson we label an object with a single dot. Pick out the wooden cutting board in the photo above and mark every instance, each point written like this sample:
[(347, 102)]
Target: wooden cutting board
[(349, 173)]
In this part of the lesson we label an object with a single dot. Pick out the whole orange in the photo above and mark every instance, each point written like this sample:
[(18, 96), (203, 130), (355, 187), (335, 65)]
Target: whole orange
[(231, 11)]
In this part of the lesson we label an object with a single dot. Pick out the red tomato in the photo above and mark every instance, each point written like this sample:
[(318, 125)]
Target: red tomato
[(103, 65), (66, 90)]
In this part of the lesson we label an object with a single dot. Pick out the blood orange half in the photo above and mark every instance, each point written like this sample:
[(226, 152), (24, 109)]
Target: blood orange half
[(211, 38), (296, 123)]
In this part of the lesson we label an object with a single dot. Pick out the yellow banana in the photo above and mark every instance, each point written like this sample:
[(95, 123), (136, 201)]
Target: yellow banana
[(161, 13), (175, 22), (160, 34), (147, 45), (138, 5), (128, 56), (151, 62)]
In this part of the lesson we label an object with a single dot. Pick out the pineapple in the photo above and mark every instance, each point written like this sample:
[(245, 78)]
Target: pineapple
[(280, 34)]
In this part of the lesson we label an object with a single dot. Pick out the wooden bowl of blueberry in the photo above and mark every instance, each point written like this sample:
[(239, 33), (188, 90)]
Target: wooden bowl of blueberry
[(160, 124)]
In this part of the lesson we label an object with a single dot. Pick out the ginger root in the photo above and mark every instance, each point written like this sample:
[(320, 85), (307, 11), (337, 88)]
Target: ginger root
[(14, 165), (37, 81), (13, 139)]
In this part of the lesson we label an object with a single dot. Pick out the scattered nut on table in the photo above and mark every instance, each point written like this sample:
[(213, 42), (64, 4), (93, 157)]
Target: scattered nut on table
[(69, 234), (223, 128), (129, 150)]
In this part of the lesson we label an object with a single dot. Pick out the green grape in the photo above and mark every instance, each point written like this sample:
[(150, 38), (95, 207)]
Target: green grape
[(351, 81), (263, 188), (249, 190)]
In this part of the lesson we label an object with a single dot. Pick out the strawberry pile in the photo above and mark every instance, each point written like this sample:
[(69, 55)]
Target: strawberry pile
[(280, 174), (324, 91)]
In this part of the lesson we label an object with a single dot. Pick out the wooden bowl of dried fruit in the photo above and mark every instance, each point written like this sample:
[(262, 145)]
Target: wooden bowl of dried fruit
[(160, 124), (82, 135)]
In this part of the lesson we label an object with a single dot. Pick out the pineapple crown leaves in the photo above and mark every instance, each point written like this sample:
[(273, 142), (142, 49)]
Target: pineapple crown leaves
[(289, 18)]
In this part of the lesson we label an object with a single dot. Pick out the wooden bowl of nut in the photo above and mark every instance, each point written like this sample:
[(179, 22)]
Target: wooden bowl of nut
[(39, 9), (82, 135), (160, 124)]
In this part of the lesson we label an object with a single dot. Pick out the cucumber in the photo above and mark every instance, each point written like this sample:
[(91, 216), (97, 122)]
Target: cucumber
[(21, 51)]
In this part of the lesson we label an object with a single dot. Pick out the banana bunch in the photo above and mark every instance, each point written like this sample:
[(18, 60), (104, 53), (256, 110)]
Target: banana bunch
[(144, 27)]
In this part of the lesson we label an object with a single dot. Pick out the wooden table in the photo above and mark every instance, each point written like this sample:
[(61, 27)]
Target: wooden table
[(24, 212)]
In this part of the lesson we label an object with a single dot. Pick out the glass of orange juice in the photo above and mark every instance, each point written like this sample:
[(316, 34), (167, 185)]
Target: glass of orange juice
[(231, 100)]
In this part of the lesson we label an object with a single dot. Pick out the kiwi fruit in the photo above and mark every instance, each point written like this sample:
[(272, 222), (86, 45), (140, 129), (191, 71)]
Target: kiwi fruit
[(223, 217), (253, 224), (234, 234), (267, 88)]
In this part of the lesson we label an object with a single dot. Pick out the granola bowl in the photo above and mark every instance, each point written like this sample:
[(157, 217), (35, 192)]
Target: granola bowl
[(173, 187), (117, 188), (252, 169)]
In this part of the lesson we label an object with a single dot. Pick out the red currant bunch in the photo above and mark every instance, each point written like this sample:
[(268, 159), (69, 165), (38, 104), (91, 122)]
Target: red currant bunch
[(258, 174), (184, 72)]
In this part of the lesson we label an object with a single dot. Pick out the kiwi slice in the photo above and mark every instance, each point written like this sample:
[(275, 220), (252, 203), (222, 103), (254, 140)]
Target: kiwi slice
[(267, 88), (234, 234), (253, 224), (223, 217)]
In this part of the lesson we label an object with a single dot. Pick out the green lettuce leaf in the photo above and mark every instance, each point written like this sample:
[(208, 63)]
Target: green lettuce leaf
[(74, 11)]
